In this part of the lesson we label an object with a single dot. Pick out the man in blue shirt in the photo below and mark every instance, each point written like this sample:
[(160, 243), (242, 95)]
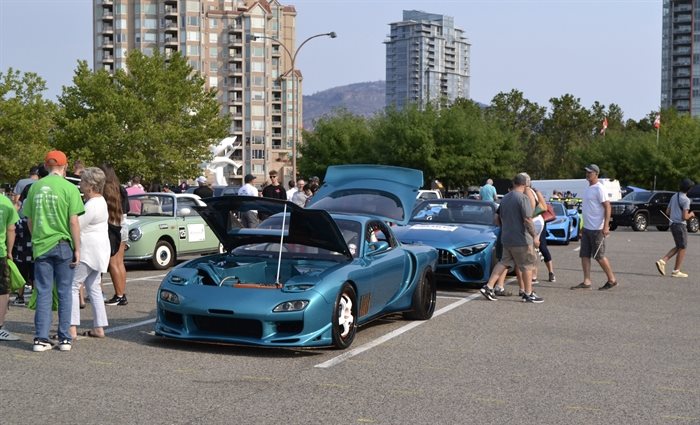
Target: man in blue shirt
[(488, 192)]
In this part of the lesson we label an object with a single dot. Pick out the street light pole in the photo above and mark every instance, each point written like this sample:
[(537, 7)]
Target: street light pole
[(295, 88)]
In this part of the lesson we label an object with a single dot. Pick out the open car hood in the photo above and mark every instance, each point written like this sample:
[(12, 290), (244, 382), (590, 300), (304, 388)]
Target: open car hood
[(307, 227), (383, 191)]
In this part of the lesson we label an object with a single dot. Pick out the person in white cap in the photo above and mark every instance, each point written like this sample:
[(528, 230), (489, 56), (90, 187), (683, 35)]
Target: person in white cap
[(203, 191), (595, 210)]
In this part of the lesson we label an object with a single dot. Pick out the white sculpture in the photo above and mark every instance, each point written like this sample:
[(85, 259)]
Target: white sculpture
[(221, 154)]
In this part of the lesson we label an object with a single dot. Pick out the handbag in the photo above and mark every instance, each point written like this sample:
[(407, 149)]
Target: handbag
[(548, 215), (115, 238)]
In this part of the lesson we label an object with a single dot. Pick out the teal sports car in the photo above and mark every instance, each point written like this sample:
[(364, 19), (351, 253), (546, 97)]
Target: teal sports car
[(163, 226), (305, 277)]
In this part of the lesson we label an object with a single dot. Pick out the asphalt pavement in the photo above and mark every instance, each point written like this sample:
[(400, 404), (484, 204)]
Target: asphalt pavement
[(630, 355)]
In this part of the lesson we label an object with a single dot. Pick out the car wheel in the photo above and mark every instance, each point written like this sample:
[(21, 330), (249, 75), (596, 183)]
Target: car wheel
[(163, 255), (693, 225), (639, 223), (423, 304), (662, 228), (344, 318)]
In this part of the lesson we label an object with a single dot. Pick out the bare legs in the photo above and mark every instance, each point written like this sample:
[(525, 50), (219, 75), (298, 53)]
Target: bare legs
[(118, 272)]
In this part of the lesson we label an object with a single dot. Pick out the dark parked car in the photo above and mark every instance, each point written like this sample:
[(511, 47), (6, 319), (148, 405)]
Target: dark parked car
[(640, 210)]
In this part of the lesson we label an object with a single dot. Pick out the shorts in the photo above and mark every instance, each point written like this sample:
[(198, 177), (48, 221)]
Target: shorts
[(4, 276), (680, 235), (592, 244), (522, 256)]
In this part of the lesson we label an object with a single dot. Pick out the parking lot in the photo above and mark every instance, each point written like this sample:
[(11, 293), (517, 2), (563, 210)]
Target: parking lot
[(629, 355)]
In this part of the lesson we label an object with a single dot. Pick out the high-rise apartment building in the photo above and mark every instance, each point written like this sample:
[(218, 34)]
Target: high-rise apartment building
[(427, 59), (680, 56), (232, 43)]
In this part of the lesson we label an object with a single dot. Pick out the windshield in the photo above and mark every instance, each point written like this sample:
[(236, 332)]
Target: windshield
[(362, 201), (454, 212), (558, 208), (149, 204), (637, 197)]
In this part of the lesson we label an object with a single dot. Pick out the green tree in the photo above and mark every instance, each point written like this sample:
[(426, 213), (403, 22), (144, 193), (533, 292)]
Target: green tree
[(516, 114), (26, 120), (156, 120), (341, 138)]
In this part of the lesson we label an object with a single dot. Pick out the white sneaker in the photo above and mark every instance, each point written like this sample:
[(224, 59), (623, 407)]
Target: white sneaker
[(40, 345), (7, 336), (64, 345), (678, 273), (661, 267)]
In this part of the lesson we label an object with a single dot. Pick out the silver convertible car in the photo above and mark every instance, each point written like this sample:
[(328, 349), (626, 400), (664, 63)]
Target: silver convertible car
[(306, 277)]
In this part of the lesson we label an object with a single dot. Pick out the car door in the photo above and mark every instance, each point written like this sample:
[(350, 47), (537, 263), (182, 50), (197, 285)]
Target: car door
[(388, 265), (657, 209), (193, 233)]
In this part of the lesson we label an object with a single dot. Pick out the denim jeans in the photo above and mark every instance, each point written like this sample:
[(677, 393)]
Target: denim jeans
[(53, 266)]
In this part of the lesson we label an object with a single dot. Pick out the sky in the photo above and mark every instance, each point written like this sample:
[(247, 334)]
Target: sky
[(596, 50)]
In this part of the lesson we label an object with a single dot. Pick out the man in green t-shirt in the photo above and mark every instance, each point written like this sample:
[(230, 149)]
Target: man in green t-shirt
[(8, 218), (52, 207)]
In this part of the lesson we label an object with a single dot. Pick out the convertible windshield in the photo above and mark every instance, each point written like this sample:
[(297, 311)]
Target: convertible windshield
[(149, 204), (455, 212), (638, 197), (362, 201)]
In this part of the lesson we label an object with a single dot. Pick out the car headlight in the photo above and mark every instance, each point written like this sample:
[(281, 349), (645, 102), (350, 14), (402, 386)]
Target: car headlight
[(472, 249), (286, 306), (169, 296), (135, 234)]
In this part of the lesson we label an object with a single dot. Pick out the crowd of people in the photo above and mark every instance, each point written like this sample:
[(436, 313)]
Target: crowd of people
[(56, 234)]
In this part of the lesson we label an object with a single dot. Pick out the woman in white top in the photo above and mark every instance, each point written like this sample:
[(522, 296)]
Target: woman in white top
[(94, 252)]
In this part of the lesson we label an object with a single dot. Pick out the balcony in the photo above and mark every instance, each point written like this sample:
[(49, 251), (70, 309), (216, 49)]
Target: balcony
[(107, 15), (170, 11), (236, 41), (681, 40), (107, 29), (235, 28), (107, 57), (235, 70), (170, 26), (171, 41), (107, 43)]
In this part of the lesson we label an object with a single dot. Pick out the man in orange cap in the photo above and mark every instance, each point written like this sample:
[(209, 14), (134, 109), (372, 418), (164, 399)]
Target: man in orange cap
[(52, 208)]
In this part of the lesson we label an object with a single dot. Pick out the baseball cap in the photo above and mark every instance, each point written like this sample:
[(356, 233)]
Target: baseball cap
[(593, 168), (55, 158), (201, 179), (249, 178)]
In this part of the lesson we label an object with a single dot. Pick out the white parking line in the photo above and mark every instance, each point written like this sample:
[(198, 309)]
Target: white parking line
[(393, 334), (133, 279), (129, 326)]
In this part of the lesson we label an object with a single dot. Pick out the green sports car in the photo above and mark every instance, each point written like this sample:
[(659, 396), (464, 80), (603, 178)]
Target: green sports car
[(163, 226)]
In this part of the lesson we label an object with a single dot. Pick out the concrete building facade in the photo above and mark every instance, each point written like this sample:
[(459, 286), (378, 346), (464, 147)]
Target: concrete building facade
[(427, 59), (232, 43), (680, 56)]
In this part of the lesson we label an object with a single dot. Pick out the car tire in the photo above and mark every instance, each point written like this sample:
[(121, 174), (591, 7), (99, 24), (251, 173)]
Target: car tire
[(662, 228), (344, 317), (424, 296), (639, 222), (693, 225), (163, 255)]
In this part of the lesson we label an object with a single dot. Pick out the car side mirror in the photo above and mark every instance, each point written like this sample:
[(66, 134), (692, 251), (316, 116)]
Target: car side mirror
[(377, 247), (184, 212)]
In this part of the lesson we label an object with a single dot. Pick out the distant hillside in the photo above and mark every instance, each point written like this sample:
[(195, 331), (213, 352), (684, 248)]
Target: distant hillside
[(360, 98)]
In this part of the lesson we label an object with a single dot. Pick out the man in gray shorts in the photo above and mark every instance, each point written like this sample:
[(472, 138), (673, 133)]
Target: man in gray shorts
[(596, 227), (678, 211), (517, 233)]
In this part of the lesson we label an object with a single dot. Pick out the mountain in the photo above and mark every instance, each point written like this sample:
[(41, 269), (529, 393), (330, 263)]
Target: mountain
[(363, 99)]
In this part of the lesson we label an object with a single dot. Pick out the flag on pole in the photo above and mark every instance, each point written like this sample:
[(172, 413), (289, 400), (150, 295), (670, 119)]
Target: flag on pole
[(657, 121), (605, 126)]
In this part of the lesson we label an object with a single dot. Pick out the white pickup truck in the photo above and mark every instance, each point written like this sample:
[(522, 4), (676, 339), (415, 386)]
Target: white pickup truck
[(429, 194)]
